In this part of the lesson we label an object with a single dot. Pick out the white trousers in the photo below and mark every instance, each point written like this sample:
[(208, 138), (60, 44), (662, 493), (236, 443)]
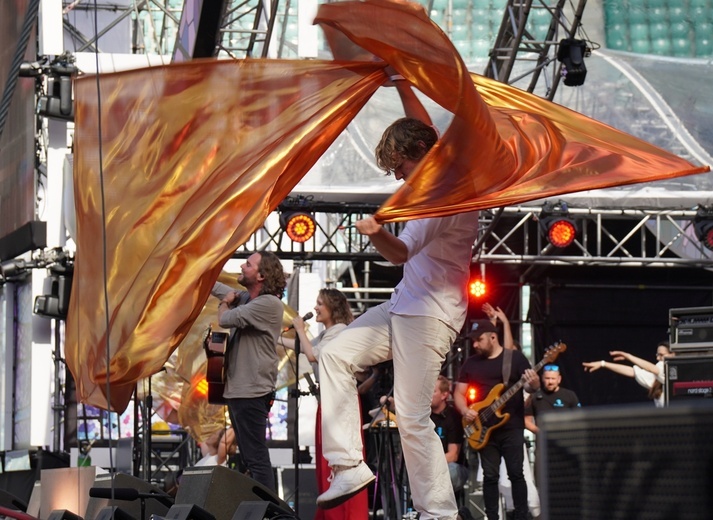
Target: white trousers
[(418, 346)]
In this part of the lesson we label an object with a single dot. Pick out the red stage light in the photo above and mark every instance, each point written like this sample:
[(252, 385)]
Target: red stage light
[(471, 394), (561, 232), (556, 224), (202, 387), (477, 288), (299, 226)]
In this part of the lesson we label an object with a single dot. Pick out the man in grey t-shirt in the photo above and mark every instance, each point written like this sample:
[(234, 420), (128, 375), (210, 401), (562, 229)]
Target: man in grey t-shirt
[(254, 317)]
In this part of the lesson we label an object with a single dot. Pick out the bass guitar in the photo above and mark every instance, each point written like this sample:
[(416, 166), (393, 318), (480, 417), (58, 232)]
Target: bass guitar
[(214, 345), (489, 416)]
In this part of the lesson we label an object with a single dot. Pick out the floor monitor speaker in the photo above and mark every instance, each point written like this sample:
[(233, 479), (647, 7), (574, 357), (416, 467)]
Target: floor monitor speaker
[(220, 491), (133, 508), (630, 462), (11, 501), (255, 510)]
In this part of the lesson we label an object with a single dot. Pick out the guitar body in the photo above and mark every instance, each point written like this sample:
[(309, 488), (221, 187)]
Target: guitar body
[(215, 366), (489, 416), (488, 419)]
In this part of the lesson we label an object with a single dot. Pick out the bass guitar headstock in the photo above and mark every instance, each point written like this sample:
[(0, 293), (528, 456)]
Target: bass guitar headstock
[(553, 351)]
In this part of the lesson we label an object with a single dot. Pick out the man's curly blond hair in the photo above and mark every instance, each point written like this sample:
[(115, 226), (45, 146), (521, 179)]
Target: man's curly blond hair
[(405, 138)]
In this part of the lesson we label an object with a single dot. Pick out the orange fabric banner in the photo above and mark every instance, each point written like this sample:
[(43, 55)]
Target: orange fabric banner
[(179, 165), (504, 146), (194, 157)]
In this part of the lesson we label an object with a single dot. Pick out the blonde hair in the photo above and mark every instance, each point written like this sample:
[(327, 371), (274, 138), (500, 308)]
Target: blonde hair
[(338, 305)]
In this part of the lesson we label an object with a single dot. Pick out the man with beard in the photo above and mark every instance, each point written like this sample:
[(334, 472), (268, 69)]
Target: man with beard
[(550, 397), (491, 365), (254, 317)]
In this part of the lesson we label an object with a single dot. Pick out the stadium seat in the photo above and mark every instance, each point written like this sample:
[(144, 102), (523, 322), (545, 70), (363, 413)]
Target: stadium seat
[(677, 14), (641, 45), (658, 15), (481, 30), (459, 32), (639, 31), (680, 30), (659, 30), (704, 46), (464, 49), (681, 47), (481, 48), (661, 46), (637, 15)]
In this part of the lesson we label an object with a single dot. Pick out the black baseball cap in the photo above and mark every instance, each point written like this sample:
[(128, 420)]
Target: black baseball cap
[(480, 327)]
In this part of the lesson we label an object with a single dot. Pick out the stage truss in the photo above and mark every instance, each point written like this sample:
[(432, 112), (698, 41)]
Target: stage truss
[(625, 237)]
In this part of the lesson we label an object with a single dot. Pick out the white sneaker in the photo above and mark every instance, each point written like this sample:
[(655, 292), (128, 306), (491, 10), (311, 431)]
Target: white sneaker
[(346, 482)]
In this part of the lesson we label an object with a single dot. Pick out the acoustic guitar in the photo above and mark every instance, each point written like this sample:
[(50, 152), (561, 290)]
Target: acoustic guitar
[(489, 416), (214, 345)]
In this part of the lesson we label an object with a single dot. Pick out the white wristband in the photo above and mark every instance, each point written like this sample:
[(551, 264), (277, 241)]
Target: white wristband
[(602, 363), (396, 77)]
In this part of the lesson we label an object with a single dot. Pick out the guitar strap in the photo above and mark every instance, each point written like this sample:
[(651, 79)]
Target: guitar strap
[(507, 365)]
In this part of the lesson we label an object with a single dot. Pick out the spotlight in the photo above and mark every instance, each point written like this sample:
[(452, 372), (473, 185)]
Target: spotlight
[(571, 53), (477, 288), (703, 226), (471, 394), (298, 225), (556, 224), (54, 302)]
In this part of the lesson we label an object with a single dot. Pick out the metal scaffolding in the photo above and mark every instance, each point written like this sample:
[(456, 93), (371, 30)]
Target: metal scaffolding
[(626, 237)]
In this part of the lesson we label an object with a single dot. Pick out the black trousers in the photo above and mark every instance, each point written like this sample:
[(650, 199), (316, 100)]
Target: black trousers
[(505, 444), (249, 417)]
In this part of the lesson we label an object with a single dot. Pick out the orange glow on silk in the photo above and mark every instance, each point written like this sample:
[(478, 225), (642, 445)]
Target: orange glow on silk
[(195, 157), (504, 146)]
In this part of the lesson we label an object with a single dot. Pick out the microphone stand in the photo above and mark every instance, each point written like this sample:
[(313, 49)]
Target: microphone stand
[(296, 393)]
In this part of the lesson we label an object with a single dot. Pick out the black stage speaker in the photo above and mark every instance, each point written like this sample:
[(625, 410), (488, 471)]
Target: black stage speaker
[(308, 489), (133, 507), (20, 483), (220, 491), (630, 462), (11, 501), (250, 510)]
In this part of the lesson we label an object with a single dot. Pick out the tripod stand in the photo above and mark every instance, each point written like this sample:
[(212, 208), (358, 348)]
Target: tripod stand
[(390, 468)]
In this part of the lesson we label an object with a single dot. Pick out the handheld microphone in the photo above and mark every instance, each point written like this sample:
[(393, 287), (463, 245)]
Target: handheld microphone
[(306, 317)]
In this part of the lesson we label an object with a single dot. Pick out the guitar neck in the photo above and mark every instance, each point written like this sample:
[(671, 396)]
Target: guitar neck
[(516, 387)]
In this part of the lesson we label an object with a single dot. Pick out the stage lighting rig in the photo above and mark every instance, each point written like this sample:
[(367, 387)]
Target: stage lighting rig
[(556, 224), (57, 102), (703, 226), (297, 219), (571, 53)]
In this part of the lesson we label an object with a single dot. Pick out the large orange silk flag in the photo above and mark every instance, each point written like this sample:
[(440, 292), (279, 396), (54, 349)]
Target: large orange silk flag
[(194, 157), (504, 146)]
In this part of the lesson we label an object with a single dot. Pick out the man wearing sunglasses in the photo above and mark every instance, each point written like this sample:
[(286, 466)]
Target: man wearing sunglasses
[(551, 396)]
